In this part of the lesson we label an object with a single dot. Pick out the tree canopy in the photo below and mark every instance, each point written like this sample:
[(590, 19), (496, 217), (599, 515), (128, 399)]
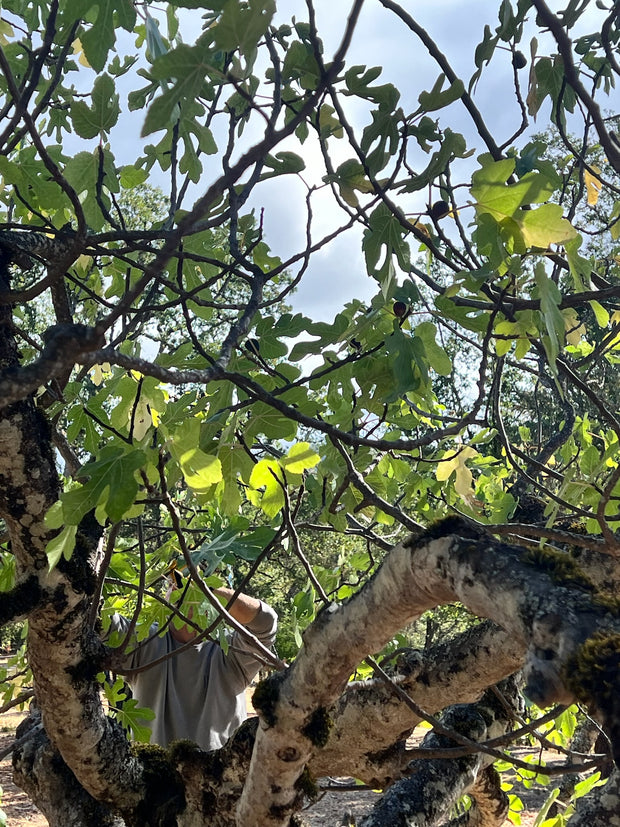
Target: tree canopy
[(448, 437)]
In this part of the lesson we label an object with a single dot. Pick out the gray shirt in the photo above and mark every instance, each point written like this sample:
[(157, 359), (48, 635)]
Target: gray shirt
[(198, 694)]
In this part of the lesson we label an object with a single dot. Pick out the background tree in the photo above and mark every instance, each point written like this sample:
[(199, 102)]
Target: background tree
[(202, 422)]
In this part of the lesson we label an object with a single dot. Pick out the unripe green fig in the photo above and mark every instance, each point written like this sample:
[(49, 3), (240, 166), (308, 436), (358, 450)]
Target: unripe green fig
[(519, 60)]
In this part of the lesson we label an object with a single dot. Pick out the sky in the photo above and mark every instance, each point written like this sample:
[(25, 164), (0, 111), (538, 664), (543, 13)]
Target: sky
[(338, 273), (381, 40)]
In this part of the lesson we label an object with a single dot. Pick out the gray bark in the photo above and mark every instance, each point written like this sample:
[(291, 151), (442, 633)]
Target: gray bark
[(494, 580), (601, 807), (427, 797), (369, 722), (39, 770), (187, 788)]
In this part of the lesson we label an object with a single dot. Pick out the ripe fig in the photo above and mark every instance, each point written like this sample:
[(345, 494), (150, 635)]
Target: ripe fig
[(400, 309), (253, 346), (439, 210), (519, 60)]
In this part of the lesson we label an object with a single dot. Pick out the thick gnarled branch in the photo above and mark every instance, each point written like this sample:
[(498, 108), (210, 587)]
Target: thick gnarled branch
[(434, 788), (544, 605)]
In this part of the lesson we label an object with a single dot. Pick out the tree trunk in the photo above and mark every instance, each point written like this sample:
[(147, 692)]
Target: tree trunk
[(39, 770)]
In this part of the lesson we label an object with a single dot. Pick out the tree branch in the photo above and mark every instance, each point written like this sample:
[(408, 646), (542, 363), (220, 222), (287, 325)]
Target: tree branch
[(449, 562)]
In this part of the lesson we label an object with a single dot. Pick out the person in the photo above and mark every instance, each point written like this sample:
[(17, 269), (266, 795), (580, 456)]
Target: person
[(199, 693)]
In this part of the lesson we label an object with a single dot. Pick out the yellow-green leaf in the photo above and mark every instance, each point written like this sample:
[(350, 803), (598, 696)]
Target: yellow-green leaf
[(200, 470), (601, 315), (463, 483), (267, 475), (593, 185), (546, 225), (61, 546), (299, 458)]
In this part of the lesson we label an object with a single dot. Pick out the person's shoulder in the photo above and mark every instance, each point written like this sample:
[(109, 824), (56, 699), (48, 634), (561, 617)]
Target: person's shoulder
[(266, 621)]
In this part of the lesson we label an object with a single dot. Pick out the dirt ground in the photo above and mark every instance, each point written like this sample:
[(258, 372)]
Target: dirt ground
[(328, 811)]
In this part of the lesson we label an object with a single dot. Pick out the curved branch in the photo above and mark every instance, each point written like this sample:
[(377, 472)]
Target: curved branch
[(64, 344), (369, 718), (571, 75), (428, 796), (449, 562)]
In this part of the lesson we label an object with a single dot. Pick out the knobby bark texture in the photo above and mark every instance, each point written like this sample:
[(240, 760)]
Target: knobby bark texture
[(192, 787), (369, 722), (601, 808), (41, 772), (434, 787), (64, 653), (546, 607)]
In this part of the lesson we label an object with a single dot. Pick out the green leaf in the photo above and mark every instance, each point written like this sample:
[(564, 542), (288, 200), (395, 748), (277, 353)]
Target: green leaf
[(90, 122), (542, 814), (485, 49), (546, 225), (162, 113), (350, 176), (584, 786), (550, 80), (358, 80), (200, 470), (61, 546), (131, 176), (299, 458), (269, 422), (189, 69), (328, 123), (383, 133), (267, 475), (154, 40), (600, 314), (384, 231), (452, 146), (112, 485), (494, 195), (242, 25), (82, 172), (438, 359), (235, 464), (284, 163), (437, 99), (101, 36), (406, 354), (550, 298), (230, 544), (132, 717)]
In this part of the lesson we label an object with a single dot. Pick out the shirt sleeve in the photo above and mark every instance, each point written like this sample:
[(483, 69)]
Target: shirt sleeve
[(243, 660)]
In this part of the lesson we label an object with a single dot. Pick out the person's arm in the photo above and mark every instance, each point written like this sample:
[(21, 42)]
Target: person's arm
[(244, 609), (243, 659)]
